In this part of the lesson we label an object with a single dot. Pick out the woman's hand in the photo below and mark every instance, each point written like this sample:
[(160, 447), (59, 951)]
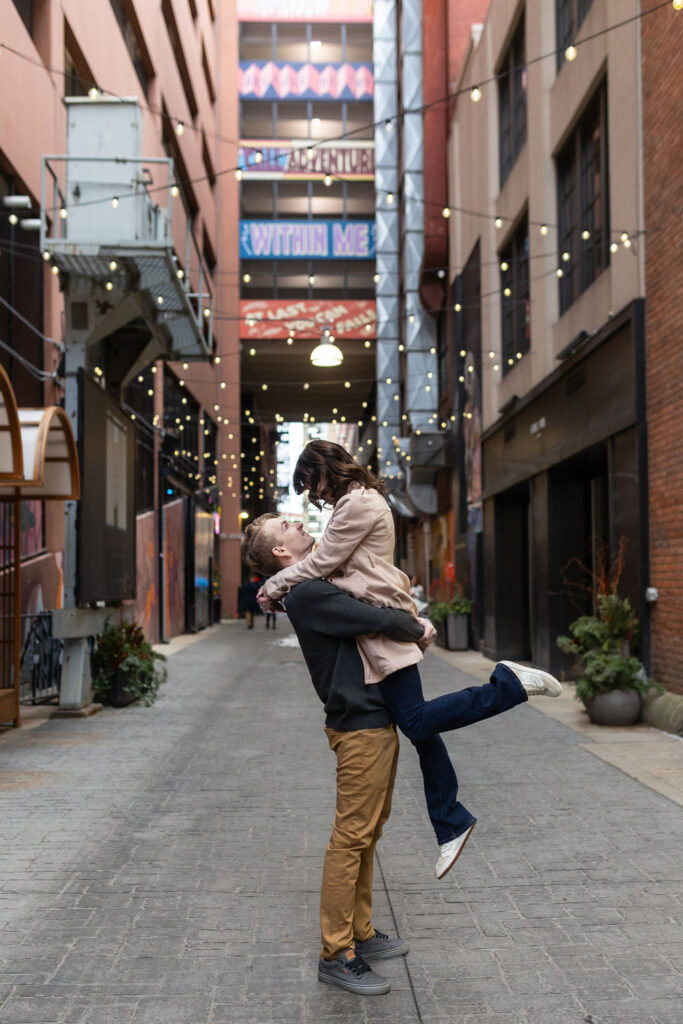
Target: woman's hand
[(266, 604), (428, 635)]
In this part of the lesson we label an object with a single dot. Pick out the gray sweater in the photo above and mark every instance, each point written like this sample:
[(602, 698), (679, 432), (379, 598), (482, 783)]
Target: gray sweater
[(327, 621)]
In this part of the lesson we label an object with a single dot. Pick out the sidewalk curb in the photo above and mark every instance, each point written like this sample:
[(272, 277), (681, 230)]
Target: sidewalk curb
[(652, 757)]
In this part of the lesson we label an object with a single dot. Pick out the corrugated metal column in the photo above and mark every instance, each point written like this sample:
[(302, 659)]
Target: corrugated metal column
[(421, 385), (387, 242)]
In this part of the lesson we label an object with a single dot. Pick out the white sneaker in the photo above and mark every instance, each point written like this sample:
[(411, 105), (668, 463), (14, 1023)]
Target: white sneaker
[(535, 681), (449, 852)]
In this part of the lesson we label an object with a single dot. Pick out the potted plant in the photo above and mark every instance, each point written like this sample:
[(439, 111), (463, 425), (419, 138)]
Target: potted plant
[(125, 666), (438, 613), (611, 679), (458, 622)]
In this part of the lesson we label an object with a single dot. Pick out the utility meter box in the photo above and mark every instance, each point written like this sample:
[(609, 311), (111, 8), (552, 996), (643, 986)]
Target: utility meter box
[(106, 183)]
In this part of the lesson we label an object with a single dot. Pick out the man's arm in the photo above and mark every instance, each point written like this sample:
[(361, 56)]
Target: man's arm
[(351, 521), (320, 607)]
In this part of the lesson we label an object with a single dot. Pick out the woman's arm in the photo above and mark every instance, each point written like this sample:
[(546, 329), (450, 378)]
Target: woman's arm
[(352, 520)]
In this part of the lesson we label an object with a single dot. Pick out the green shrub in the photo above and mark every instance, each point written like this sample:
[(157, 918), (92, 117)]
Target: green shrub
[(124, 647), (601, 645)]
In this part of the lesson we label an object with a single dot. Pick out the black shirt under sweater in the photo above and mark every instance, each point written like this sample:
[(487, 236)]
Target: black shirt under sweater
[(327, 621)]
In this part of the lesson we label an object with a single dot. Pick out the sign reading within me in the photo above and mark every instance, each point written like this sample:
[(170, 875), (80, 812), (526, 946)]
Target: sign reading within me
[(307, 239)]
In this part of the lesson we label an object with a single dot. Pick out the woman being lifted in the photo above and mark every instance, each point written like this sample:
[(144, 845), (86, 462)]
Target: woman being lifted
[(356, 554)]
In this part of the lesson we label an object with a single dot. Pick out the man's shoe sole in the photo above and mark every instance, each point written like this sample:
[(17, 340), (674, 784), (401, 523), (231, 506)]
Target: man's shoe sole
[(378, 989), (469, 833), (386, 954)]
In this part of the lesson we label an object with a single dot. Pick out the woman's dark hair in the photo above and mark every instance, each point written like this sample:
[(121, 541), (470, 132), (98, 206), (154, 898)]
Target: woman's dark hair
[(328, 463)]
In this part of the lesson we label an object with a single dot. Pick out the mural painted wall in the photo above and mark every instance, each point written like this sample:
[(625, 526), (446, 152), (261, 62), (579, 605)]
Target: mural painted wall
[(174, 568), (147, 574)]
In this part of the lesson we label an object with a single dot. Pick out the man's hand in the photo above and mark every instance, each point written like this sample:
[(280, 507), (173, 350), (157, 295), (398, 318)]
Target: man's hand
[(266, 604), (428, 636)]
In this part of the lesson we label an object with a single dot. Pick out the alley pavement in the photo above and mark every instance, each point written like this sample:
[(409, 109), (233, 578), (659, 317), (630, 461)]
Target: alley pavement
[(162, 865)]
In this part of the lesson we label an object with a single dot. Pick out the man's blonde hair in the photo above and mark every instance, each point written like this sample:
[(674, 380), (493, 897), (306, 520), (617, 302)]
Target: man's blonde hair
[(257, 550)]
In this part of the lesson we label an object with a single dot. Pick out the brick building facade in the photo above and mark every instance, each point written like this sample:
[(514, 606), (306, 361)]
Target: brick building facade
[(662, 71)]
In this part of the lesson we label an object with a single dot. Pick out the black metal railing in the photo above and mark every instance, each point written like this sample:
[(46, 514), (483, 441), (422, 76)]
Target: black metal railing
[(41, 660)]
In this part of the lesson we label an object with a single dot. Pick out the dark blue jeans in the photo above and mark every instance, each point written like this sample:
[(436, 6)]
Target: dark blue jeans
[(422, 720)]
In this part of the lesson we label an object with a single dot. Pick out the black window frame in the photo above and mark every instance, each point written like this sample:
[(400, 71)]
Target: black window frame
[(515, 308), (569, 17), (512, 101), (582, 207)]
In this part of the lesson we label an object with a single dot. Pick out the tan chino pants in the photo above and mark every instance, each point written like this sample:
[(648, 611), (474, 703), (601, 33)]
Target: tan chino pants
[(366, 769)]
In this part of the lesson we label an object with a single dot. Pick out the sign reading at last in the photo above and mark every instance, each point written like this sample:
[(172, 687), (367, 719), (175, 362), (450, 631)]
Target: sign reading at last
[(275, 318)]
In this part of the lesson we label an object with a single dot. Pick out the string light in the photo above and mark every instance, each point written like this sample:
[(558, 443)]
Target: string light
[(179, 128), (475, 94), (570, 53)]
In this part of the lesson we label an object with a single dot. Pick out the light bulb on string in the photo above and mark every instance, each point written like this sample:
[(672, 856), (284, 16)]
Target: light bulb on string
[(475, 94), (543, 230), (498, 222), (570, 53)]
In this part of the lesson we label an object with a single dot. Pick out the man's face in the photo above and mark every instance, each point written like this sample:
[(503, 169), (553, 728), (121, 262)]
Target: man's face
[(288, 539)]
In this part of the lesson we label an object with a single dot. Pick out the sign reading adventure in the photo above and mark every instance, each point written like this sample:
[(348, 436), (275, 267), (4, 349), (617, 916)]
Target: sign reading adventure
[(275, 80), (283, 159), (305, 10), (307, 239), (275, 318)]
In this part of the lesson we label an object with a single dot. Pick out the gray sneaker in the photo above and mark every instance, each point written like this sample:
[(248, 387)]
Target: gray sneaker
[(380, 947), (351, 972)]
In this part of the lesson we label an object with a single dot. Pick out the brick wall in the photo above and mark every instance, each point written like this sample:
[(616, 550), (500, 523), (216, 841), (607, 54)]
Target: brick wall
[(662, 39)]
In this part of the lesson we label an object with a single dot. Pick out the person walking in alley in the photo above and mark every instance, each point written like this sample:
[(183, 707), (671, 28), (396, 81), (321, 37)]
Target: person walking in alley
[(247, 595), (356, 554), (359, 731)]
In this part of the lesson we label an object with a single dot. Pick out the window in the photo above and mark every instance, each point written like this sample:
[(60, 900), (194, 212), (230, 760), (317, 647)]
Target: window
[(211, 89), (514, 279), (78, 77), (583, 202), (512, 102), (132, 37), (569, 15), (179, 54), (182, 177), (208, 163), (25, 12)]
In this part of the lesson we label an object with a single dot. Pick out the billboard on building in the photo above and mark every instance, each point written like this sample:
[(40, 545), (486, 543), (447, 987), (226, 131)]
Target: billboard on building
[(278, 80), (307, 239), (305, 10), (275, 318), (291, 160)]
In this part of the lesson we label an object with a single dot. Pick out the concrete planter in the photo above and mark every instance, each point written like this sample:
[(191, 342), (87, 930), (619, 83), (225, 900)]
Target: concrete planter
[(457, 632), (616, 708)]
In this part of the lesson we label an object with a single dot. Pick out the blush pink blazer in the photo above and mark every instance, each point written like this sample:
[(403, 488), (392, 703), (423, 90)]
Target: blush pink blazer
[(356, 553)]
